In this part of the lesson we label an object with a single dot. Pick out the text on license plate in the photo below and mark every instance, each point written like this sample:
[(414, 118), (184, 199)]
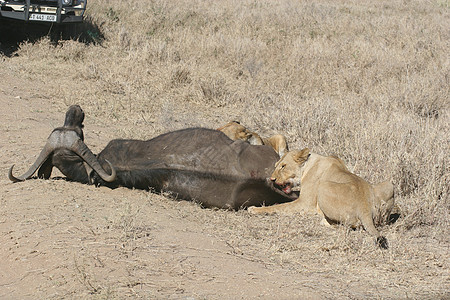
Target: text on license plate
[(42, 17)]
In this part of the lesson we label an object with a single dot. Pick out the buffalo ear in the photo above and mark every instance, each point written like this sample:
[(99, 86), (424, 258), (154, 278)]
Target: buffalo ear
[(45, 171), (301, 156)]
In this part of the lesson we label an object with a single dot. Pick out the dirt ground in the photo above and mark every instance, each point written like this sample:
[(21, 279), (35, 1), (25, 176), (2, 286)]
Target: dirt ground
[(67, 240), (64, 240)]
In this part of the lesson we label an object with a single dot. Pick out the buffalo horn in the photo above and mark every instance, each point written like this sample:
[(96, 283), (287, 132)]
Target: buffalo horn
[(80, 148), (48, 149)]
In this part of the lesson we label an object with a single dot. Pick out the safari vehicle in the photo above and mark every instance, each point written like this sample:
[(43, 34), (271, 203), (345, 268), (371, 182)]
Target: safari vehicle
[(53, 11)]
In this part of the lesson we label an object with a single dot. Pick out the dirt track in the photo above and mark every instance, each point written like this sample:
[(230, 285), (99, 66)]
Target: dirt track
[(365, 80), (62, 239)]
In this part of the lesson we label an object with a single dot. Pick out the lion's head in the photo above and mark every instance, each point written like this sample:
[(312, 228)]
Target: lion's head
[(235, 131), (287, 169)]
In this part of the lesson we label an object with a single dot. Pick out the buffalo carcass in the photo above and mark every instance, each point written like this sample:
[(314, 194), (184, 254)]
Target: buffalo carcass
[(196, 164), (66, 150)]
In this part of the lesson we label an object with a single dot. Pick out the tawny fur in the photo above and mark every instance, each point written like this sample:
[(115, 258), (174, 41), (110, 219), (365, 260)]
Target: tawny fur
[(327, 187), (235, 131)]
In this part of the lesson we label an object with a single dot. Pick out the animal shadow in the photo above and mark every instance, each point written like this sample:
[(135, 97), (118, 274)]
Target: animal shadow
[(14, 32)]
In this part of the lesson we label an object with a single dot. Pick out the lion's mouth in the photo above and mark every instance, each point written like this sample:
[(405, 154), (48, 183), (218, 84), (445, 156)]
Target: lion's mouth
[(287, 188)]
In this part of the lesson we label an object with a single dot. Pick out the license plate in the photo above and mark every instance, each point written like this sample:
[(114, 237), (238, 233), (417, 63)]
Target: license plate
[(42, 17)]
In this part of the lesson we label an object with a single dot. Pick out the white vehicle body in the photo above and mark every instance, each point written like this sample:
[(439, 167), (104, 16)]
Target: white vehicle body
[(54, 11)]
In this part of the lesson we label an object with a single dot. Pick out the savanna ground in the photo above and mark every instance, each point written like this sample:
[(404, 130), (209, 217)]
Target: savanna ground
[(365, 80)]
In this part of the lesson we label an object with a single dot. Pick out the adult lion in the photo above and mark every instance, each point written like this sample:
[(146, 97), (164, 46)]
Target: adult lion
[(235, 131), (328, 187)]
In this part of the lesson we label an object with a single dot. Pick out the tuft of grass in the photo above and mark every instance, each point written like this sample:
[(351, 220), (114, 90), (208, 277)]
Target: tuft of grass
[(366, 81)]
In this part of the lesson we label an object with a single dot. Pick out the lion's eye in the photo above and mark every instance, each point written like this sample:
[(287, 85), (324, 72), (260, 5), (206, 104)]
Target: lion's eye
[(282, 166)]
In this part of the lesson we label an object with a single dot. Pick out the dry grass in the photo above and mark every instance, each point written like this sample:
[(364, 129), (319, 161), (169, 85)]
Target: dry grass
[(367, 81)]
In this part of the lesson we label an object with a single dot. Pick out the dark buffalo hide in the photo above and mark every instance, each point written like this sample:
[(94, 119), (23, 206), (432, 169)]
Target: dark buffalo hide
[(197, 164)]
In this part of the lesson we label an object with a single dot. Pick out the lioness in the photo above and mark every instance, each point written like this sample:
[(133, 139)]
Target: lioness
[(235, 131), (328, 187)]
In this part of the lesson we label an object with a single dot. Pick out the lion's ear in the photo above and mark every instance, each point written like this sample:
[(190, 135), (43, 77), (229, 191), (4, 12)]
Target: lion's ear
[(301, 156)]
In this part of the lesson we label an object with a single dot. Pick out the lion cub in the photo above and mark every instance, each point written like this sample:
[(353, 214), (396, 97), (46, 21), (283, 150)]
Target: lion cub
[(328, 187), (235, 131)]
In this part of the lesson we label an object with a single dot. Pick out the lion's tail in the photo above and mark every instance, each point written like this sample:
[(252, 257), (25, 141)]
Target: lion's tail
[(382, 242), (367, 221)]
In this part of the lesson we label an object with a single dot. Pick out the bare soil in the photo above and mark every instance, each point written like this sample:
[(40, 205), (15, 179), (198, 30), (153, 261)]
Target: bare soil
[(63, 239), (364, 80)]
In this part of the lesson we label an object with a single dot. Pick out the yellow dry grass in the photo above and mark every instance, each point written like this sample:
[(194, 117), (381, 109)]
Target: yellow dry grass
[(367, 81)]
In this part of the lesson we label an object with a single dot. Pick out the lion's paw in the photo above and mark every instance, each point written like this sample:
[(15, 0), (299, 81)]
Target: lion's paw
[(253, 210)]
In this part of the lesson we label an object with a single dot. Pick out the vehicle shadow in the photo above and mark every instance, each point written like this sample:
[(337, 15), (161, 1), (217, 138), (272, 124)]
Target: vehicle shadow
[(13, 33)]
